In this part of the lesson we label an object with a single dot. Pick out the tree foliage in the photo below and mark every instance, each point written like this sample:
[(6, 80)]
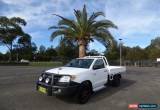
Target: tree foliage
[(113, 53), (153, 50), (67, 49), (84, 29), (10, 30)]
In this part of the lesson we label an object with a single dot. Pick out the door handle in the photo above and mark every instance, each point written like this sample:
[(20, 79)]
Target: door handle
[(94, 73), (105, 71)]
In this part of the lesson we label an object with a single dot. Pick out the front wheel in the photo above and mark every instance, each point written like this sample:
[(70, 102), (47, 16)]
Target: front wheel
[(84, 93)]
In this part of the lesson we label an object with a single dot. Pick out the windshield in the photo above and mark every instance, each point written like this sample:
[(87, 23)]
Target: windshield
[(80, 63)]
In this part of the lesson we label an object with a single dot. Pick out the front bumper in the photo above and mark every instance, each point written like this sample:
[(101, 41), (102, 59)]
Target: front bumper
[(59, 89)]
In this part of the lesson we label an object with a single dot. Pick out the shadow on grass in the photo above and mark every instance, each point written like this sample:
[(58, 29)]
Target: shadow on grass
[(104, 93)]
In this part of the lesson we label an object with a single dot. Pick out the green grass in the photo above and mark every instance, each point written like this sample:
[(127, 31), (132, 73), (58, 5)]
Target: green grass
[(13, 64), (46, 64)]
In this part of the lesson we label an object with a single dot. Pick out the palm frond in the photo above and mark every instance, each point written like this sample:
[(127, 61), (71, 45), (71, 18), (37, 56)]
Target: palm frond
[(56, 33), (67, 33), (84, 27), (105, 38), (95, 15), (104, 23), (78, 15), (66, 22), (84, 12), (57, 27)]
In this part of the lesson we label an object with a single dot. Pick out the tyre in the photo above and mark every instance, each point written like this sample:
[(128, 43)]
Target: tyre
[(84, 93), (116, 81), (49, 92)]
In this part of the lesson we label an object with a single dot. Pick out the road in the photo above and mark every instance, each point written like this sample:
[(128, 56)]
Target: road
[(17, 87)]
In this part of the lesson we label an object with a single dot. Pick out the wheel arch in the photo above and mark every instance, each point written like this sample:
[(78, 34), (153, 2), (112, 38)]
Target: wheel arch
[(119, 75), (89, 82)]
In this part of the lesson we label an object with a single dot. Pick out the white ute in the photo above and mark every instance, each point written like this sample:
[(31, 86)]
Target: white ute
[(80, 77)]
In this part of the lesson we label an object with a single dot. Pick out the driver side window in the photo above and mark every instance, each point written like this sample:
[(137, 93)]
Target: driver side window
[(98, 64)]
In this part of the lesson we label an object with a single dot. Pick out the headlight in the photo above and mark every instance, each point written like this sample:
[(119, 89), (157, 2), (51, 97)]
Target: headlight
[(40, 78), (65, 79), (47, 80)]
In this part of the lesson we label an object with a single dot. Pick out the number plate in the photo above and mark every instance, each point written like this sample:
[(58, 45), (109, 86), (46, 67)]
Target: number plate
[(42, 89)]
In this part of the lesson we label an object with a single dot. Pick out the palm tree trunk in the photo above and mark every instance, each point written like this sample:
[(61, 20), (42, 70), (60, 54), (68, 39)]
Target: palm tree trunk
[(82, 49)]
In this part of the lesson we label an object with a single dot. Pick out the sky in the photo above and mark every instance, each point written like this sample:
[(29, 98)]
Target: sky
[(138, 21)]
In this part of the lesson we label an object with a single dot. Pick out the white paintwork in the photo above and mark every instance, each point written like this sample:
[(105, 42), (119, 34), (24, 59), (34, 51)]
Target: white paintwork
[(158, 59), (97, 77), (116, 69), (99, 88), (67, 70)]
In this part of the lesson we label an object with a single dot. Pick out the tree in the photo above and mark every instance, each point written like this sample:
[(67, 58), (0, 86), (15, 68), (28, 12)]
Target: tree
[(41, 53), (134, 53), (84, 29), (66, 49), (25, 40), (93, 52), (113, 53), (10, 29), (24, 47), (34, 50), (42, 49), (51, 53), (153, 50), (1, 57)]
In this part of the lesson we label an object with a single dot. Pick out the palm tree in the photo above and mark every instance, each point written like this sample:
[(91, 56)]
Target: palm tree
[(84, 29), (10, 29)]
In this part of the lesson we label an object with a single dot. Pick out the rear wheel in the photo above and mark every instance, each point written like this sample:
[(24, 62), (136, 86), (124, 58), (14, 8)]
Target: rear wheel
[(84, 93), (116, 81)]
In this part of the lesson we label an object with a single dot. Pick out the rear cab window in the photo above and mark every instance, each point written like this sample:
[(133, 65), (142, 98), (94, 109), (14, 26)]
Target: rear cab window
[(99, 64)]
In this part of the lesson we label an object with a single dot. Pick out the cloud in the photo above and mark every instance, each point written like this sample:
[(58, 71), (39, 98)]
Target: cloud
[(137, 20), (33, 12), (134, 16), (40, 12)]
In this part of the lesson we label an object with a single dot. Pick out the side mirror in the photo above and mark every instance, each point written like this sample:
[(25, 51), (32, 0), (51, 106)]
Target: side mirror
[(96, 67)]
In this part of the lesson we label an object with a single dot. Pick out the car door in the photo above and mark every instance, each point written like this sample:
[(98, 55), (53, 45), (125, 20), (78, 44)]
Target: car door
[(99, 72)]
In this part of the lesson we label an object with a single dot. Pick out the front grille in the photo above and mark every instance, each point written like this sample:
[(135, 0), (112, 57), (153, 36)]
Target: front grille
[(53, 78), (56, 79)]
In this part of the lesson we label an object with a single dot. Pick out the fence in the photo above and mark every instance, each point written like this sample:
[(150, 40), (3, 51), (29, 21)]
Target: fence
[(138, 63)]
